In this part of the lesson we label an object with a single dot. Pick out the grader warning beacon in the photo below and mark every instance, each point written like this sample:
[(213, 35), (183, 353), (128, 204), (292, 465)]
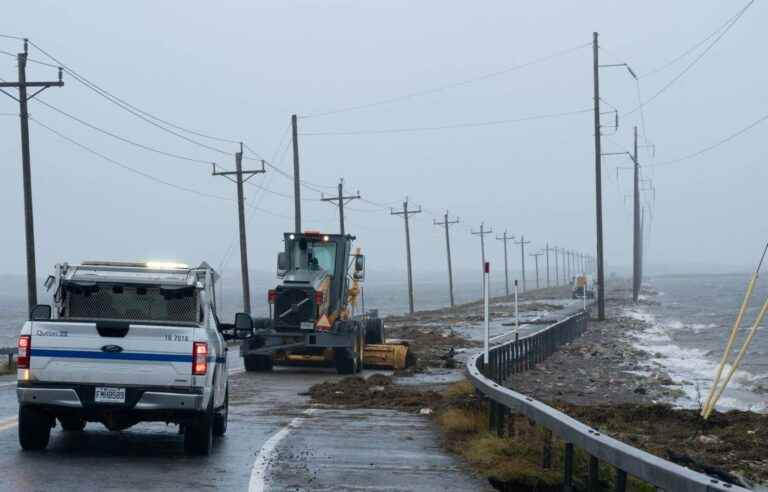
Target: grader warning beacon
[(313, 315)]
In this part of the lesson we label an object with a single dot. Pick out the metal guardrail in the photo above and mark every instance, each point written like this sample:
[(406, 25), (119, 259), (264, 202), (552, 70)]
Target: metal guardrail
[(520, 355)]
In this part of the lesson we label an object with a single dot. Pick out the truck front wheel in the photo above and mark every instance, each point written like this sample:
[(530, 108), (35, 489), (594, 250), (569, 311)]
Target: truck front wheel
[(34, 428), (257, 363)]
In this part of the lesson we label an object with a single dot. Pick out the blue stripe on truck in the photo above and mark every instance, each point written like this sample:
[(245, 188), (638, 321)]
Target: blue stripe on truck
[(87, 354)]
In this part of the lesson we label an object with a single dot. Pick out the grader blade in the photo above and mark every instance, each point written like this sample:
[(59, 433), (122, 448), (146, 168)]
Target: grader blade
[(386, 356)]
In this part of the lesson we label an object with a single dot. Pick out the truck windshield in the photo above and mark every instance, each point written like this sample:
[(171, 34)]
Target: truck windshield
[(322, 256), (130, 303)]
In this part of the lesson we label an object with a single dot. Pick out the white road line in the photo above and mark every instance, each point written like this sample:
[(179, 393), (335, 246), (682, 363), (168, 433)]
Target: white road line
[(8, 424), (5, 385), (264, 458)]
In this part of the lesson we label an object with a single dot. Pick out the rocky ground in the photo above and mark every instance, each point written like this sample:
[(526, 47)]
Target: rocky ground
[(599, 378), (600, 367)]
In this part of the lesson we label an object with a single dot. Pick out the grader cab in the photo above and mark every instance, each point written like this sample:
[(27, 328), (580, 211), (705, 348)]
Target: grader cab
[(314, 317)]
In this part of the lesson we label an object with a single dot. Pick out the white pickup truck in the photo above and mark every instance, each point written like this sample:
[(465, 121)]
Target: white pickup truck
[(124, 343)]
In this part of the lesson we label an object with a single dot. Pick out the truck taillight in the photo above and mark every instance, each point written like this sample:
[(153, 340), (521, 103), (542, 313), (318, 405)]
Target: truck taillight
[(272, 296), (199, 358), (25, 347), (319, 297)]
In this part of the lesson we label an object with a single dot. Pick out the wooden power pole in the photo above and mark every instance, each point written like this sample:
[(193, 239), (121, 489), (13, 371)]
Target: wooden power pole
[(447, 223), (29, 224), (239, 180), (598, 184), (636, 252), (506, 238), (406, 214), (342, 200), (296, 175), (522, 242)]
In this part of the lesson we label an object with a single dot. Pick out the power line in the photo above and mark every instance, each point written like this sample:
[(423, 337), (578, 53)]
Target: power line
[(121, 138), (688, 67), (447, 86), (111, 96), (713, 146), (691, 49), (446, 127), (126, 167)]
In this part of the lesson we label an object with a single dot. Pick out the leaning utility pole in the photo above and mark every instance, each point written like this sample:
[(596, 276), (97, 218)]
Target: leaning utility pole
[(536, 259), (296, 175), (598, 185), (447, 223), (522, 242), (504, 237), (546, 251), (238, 173), (29, 226), (636, 233), (407, 213), (482, 233), (342, 200)]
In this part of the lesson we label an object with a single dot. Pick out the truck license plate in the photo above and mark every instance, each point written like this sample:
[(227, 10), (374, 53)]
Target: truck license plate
[(109, 395), (306, 325)]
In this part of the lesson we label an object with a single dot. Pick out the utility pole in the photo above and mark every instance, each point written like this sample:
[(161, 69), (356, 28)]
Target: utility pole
[(296, 175), (238, 173), (522, 242), (29, 224), (557, 272), (536, 259), (564, 252), (447, 223), (636, 233), (342, 200), (406, 214), (482, 233), (598, 185), (546, 251), (504, 237)]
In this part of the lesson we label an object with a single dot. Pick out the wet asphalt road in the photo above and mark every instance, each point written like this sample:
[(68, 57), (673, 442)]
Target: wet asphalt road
[(275, 441), (330, 449)]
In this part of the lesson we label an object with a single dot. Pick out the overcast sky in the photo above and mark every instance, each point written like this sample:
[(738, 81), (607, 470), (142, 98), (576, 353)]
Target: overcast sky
[(238, 69)]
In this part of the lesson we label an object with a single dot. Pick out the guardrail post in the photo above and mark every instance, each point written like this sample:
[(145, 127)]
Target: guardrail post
[(546, 452), (491, 415), (593, 484), (501, 417), (568, 468), (620, 484)]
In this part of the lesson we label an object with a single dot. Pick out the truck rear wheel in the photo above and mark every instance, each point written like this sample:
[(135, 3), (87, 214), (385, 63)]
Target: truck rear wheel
[(258, 363), (374, 331), (221, 417), (34, 428), (198, 435)]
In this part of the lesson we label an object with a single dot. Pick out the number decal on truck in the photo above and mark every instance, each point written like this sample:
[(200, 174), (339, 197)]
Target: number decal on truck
[(51, 333), (175, 338)]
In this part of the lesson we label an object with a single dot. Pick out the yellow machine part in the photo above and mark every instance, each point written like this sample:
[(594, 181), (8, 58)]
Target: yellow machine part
[(389, 356)]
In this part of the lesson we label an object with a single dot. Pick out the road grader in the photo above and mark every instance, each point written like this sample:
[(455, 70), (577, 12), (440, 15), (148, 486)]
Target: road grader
[(313, 314)]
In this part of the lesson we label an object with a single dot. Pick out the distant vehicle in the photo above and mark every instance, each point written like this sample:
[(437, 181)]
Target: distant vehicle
[(311, 311), (124, 343), (582, 284)]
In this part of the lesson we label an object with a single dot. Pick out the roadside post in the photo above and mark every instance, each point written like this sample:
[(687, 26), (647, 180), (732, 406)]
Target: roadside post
[(486, 274), (517, 316)]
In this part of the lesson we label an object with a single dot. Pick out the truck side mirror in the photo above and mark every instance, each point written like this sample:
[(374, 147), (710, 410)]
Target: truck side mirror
[(243, 325), (282, 263), (49, 282), (41, 312), (359, 273)]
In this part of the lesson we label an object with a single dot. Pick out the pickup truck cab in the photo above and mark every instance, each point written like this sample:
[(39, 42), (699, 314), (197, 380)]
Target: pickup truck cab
[(123, 343)]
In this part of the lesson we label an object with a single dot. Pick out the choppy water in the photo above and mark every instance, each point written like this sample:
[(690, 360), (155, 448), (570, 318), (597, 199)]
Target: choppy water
[(688, 332)]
